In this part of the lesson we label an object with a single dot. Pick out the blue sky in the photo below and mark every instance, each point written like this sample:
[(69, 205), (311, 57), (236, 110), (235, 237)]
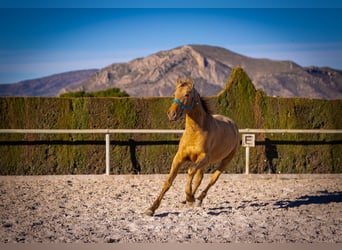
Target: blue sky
[(37, 42)]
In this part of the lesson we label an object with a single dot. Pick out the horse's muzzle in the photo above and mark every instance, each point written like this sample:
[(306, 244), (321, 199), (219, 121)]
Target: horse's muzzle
[(172, 114)]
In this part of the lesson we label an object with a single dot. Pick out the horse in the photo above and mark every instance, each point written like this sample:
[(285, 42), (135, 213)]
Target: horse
[(207, 139)]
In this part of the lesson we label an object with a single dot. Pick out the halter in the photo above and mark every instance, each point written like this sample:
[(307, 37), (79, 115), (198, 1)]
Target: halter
[(183, 106)]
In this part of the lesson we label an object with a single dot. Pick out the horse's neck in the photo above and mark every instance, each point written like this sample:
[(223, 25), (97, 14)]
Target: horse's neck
[(195, 119)]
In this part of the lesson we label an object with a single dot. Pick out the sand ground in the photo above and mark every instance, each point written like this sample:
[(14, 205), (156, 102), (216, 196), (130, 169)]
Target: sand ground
[(239, 208)]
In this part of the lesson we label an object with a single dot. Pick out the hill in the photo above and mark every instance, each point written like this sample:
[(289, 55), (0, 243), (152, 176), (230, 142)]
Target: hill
[(209, 66), (45, 86)]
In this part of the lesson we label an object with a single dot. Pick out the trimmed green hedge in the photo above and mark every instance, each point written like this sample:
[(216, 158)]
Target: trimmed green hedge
[(111, 92), (85, 154), (285, 153)]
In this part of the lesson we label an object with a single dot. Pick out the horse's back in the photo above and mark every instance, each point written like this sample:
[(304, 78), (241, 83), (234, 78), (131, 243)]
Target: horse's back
[(227, 126), (226, 132), (224, 119), (226, 122)]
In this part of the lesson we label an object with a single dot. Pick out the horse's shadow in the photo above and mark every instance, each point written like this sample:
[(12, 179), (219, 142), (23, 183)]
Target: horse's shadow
[(162, 215), (219, 210), (323, 197), (212, 211)]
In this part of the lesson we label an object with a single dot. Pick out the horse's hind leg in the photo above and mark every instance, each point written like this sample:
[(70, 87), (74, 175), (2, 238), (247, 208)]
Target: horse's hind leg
[(212, 181), (223, 165)]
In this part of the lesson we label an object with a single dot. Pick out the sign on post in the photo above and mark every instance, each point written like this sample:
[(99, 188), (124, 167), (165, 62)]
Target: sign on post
[(248, 140)]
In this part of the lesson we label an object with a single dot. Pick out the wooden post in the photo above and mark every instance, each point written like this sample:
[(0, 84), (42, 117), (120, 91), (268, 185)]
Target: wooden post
[(248, 140), (247, 160), (107, 154)]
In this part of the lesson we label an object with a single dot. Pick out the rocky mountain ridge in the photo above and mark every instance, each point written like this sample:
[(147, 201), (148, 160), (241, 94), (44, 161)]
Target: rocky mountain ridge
[(45, 86), (209, 66)]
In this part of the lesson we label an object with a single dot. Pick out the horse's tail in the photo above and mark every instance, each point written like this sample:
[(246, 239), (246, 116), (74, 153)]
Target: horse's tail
[(237, 136)]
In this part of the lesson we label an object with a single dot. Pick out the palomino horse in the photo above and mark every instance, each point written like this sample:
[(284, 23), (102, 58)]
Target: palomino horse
[(207, 139)]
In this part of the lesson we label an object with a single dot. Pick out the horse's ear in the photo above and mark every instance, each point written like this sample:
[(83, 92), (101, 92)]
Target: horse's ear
[(178, 82), (191, 82)]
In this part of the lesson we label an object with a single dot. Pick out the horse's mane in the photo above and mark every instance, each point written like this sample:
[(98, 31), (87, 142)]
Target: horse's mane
[(208, 105)]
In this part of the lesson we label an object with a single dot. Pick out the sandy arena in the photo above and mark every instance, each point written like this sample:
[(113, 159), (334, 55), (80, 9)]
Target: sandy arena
[(239, 208)]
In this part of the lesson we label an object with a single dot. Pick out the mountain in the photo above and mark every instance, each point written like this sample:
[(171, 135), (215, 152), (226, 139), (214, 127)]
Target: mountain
[(46, 86), (210, 67)]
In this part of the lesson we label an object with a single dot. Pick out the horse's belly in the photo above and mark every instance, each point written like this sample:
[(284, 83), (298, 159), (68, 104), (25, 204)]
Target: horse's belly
[(219, 154), (221, 146)]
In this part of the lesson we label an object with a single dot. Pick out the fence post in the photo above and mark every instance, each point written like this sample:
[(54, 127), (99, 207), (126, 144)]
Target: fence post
[(248, 140), (247, 160), (107, 154)]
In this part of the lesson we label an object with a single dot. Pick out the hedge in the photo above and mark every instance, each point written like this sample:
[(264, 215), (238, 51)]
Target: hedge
[(29, 154)]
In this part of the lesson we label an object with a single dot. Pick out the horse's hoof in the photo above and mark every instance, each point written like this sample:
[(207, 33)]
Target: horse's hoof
[(198, 203), (149, 212), (190, 203)]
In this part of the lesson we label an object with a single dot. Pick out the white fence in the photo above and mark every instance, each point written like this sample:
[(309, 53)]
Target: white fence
[(107, 133)]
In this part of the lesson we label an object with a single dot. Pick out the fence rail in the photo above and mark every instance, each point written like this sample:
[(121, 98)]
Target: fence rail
[(162, 131), (107, 133)]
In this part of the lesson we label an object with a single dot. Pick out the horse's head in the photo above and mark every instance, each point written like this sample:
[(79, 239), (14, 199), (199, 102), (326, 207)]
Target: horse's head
[(185, 99)]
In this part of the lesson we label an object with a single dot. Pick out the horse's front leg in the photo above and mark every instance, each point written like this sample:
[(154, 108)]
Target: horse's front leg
[(196, 177), (198, 180), (190, 198), (177, 162), (195, 170)]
